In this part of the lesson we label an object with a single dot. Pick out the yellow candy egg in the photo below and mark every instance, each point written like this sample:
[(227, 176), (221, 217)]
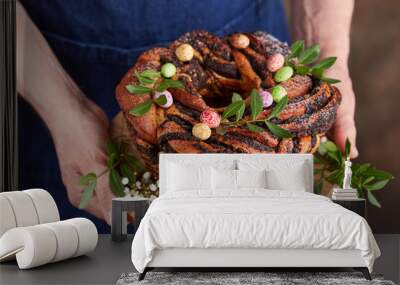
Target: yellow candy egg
[(239, 41), (201, 131), (184, 52)]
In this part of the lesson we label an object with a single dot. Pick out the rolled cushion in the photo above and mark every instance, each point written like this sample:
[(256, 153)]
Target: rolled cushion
[(26, 208), (66, 238), (23, 208), (40, 244), (87, 235), (33, 246), (45, 205), (7, 218)]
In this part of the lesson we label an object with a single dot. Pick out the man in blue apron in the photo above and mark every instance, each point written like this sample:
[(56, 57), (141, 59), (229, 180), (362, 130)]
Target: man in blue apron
[(72, 54)]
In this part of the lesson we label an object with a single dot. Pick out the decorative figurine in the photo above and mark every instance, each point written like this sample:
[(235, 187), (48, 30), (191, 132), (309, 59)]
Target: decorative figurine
[(347, 174), (346, 192)]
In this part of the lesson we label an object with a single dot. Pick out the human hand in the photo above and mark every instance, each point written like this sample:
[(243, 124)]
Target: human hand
[(344, 126), (80, 144)]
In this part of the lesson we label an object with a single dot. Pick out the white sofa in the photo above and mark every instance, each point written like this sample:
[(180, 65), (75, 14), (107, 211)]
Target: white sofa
[(31, 231)]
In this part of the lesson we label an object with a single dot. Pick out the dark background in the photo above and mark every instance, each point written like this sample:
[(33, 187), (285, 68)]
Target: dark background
[(375, 69)]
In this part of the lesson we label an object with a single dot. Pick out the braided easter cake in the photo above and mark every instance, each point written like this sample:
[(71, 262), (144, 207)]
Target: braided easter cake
[(210, 69)]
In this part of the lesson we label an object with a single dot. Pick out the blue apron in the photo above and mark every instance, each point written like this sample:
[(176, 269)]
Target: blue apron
[(97, 41)]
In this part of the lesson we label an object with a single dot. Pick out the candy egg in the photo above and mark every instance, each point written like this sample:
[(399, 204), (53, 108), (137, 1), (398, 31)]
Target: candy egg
[(168, 97), (211, 118), (201, 131), (168, 70), (184, 52), (283, 74), (266, 98), (275, 62), (278, 92), (239, 41)]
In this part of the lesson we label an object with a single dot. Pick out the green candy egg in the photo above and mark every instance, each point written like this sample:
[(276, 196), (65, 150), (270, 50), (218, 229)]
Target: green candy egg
[(283, 74), (278, 92), (168, 70)]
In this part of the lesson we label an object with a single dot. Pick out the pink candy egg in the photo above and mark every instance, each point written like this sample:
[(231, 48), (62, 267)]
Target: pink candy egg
[(266, 98), (275, 62), (211, 118), (167, 95)]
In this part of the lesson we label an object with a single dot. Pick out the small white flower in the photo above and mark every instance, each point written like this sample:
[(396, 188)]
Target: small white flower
[(138, 185), (135, 173), (153, 196), (125, 181), (153, 187), (127, 190), (146, 175), (324, 139)]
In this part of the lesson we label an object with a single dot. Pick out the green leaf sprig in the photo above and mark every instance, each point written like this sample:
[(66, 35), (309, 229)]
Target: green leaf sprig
[(150, 81), (118, 162), (300, 59), (329, 167), (237, 108)]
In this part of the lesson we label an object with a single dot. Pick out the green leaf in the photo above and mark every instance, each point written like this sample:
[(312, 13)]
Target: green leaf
[(135, 163), (326, 63), (116, 184), (150, 74), (277, 130), (169, 83), (318, 187), (279, 107), (87, 194), (330, 80), (141, 109), (373, 200), (240, 112), (322, 150), (378, 174), (232, 109), (377, 185), (162, 100), (256, 104), (111, 160), (330, 146), (367, 180), (112, 147), (347, 148), (310, 55), (336, 156), (236, 97), (143, 80), (359, 169), (302, 69), (126, 171), (87, 179), (334, 176), (318, 72), (296, 48), (137, 89), (254, 128), (317, 159)]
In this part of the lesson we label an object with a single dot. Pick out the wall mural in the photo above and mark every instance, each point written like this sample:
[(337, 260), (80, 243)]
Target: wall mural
[(203, 93)]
